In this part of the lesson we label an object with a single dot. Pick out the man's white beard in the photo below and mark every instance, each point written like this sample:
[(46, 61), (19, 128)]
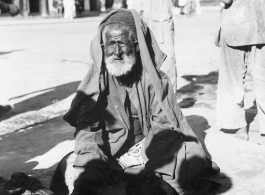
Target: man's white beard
[(120, 67)]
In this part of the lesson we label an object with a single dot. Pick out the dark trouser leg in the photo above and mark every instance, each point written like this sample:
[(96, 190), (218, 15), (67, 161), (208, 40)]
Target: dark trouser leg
[(167, 46)]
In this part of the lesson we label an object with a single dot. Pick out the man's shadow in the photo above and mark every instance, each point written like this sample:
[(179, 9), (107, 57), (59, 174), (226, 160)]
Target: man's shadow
[(9, 52), (40, 99), (201, 87), (199, 125), (23, 151)]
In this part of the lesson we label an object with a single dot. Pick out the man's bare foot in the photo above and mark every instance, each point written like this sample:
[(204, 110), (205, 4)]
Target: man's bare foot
[(242, 133)]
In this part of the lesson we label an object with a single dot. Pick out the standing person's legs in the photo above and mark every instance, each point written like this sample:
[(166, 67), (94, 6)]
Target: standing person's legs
[(66, 10), (167, 46), (103, 5), (257, 62), (70, 10), (73, 9), (60, 11), (198, 7), (230, 93)]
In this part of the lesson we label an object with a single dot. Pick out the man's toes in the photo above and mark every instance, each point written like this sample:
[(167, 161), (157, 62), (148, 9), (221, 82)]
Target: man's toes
[(242, 133), (242, 136)]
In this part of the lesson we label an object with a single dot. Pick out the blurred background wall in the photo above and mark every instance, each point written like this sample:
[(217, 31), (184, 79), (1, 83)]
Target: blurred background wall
[(45, 8)]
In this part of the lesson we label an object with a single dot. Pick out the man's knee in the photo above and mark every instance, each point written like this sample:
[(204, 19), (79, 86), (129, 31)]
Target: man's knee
[(191, 162), (59, 182), (195, 158), (89, 179), (80, 179), (76, 180)]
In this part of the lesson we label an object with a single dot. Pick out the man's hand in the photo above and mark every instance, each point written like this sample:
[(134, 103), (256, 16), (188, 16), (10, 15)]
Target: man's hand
[(13, 10)]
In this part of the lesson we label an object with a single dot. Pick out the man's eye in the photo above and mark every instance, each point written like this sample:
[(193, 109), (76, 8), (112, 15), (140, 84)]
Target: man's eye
[(111, 44)]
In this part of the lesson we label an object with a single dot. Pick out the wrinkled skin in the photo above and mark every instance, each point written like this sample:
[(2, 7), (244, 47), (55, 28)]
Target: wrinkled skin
[(118, 41)]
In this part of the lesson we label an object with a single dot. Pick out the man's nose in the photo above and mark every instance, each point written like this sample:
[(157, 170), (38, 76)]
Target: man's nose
[(117, 50)]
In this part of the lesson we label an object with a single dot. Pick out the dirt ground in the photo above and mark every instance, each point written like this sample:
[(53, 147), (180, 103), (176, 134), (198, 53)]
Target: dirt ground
[(42, 63)]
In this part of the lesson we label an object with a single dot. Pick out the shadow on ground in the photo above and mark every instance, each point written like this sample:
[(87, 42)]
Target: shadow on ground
[(201, 87), (200, 125), (40, 99), (40, 141), (250, 115), (201, 92), (8, 52)]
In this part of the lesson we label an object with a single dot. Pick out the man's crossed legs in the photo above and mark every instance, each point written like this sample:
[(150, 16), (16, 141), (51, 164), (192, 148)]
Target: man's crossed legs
[(191, 162)]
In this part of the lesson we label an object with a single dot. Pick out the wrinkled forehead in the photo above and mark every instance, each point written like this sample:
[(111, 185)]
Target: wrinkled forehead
[(116, 30)]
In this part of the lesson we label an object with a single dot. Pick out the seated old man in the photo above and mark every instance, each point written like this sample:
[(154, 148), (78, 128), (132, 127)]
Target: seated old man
[(126, 115)]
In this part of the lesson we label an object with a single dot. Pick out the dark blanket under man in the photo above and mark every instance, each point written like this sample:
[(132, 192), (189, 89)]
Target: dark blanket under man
[(126, 114)]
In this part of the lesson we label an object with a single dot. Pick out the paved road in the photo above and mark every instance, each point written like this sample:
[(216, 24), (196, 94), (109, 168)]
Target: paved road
[(40, 54), (42, 61), (43, 55)]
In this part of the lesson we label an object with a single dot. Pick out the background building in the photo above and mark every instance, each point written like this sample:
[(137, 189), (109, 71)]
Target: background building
[(45, 8)]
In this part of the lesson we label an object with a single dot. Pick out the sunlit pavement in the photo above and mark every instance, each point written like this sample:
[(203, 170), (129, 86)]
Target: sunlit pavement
[(43, 62)]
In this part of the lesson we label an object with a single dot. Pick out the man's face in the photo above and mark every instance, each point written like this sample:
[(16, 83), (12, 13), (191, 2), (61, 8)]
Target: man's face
[(119, 50)]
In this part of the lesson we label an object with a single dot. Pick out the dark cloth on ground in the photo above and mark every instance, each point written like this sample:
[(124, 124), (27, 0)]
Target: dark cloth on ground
[(21, 183)]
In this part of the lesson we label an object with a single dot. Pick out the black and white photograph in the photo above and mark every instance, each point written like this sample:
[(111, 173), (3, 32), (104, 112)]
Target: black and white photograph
[(132, 97)]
